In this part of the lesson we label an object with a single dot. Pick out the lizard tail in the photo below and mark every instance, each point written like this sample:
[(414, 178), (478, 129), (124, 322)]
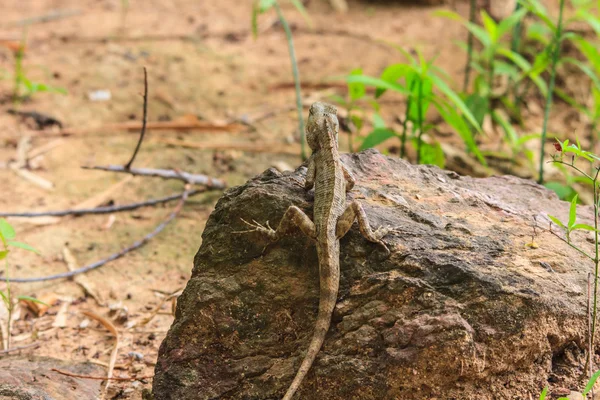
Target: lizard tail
[(327, 301)]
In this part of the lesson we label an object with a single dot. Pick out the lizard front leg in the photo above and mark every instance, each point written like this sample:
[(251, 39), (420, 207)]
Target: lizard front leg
[(356, 211), (293, 219)]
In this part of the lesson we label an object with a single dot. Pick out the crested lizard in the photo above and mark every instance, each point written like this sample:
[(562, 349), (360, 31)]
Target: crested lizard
[(332, 220)]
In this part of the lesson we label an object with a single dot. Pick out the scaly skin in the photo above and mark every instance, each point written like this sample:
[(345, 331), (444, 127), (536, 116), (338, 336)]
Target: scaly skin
[(332, 220)]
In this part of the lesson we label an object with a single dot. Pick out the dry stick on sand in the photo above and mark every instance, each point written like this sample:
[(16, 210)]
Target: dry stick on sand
[(144, 121), (13, 349), (113, 355), (101, 210), (102, 378), (114, 256), (195, 179), (274, 148)]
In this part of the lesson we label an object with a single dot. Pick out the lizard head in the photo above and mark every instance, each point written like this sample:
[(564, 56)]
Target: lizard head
[(322, 126)]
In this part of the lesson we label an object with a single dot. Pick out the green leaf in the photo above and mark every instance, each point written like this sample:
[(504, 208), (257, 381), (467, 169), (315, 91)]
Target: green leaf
[(528, 70), (3, 254), (425, 87), (392, 73), (254, 19), (539, 32), (478, 32), (432, 154), (21, 245), (539, 11), (490, 26), (457, 122), (591, 20), (509, 22), (357, 121), (573, 212), (449, 14), (378, 122), (371, 81), (544, 393), (300, 7), (5, 299), (509, 130), (582, 227), (526, 138), (6, 229), (32, 299), (265, 5), (591, 383), (455, 99), (557, 221), (356, 90), (590, 52), (584, 68), (479, 106), (376, 137)]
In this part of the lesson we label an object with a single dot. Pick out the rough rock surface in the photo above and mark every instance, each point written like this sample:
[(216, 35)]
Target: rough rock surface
[(33, 379), (462, 309)]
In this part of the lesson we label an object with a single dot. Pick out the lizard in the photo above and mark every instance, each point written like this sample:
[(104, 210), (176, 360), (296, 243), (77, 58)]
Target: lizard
[(332, 219)]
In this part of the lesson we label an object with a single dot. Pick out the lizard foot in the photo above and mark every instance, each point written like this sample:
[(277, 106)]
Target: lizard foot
[(382, 231), (264, 230)]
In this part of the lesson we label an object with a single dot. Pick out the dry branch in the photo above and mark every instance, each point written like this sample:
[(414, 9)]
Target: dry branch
[(100, 210), (183, 124), (88, 287), (144, 122), (40, 19), (18, 348), (102, 378), (115, 256), (249, 147), (113, 355), (194, 179)]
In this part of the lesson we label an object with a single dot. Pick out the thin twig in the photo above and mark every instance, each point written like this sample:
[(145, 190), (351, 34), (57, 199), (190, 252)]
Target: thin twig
[(248, 147), (40, 19), (566, 241), (102, 378), (100, 210), (144, 121), (194, 179), (115, 256), (13, 349), (589, 360), (226, 35)]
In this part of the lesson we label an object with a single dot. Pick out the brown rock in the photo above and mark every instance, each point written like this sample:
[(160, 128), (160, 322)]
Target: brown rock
[(462, 309)]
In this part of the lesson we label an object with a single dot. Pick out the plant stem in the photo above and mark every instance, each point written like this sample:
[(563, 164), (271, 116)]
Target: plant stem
[(472, 15), (596, 262), (18, 73), (490, 79), (515, 47), (405, 122), (288, 34), (420, 119), (556, 51), (8, 304)]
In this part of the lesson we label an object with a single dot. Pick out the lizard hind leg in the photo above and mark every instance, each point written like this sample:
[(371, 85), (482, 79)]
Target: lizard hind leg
[(356, 211), (293, 219)]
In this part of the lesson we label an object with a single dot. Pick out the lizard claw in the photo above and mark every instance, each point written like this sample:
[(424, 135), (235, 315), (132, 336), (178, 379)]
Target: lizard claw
[(260, 228), (384, 231)]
